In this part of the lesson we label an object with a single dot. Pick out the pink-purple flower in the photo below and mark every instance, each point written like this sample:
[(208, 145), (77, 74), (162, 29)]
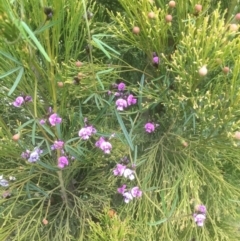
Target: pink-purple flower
[(131, 100), (32, 156), (199, 219), (119, 170), (149, 127), (62, 162), (201, 209), (57, 145), (104, 145), (18, 101), (127, 197), (122, 189), (136, 192), (121, 86), (121, 104), (128, 173), (42, 122), (86, 132), (54, 119)]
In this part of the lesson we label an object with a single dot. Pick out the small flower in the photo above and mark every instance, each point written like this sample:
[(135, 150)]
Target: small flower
[(3, 182), (121, 86), (119, 170), (116, 94), (11, 178), (18, 101), (155, 61), (62, 162), (128, 173), (149, 127), (199, 219), (121, 104), (54, 119), (131, 100), (42, 122), (86, 132), (57, 145), (106, 147), (34, 156), (201, 209), (27, 98), (127, 197), (122, 189), (26, 154), (136, 192), (99, 142)]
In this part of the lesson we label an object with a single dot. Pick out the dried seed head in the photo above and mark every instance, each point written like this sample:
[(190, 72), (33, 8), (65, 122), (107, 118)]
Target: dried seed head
[(60, 84), (78, 64), (45, 221), (237, 16)]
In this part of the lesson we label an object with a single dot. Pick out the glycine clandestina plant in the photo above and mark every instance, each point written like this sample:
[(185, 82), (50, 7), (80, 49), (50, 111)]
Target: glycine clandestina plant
[(79, 94)]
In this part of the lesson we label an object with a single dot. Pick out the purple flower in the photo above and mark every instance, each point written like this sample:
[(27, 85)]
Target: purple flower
[(35, 155), (149, 127), (121, 86), (128, 173), (54, 119), (42, 122), (121, 104), (57, 145), (131, 100), (99, 142), (136, 192), (18, 101), (86, 132), (201, 209), (26, 154), (127, 197), (122, 189), (62, 162), (199, 219), (28, 98), (119, 170), (3, 182), (155, 60), (106, 147), (117, 94)]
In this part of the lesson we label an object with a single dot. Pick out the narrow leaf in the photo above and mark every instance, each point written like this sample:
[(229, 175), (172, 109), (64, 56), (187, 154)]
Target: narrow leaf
[(16, 81)]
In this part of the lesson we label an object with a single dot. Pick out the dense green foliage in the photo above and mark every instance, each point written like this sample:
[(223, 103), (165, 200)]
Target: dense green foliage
[(191, 158)]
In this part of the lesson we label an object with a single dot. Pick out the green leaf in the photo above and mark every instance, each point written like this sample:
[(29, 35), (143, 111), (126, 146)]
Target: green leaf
[(9, 72), (35, 40), (16, 81), (33, 132), (8, 56), (120, 121), (25, 124)]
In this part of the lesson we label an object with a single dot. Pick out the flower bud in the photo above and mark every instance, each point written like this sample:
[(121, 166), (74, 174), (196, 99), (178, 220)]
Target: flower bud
[(203, 71), (16, 137), (136, 30)]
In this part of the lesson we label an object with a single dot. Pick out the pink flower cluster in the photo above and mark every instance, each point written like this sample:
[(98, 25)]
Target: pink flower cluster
[(86, 132), (20, 100), (150, 127), (105, 146), (62, 162), (200, 215), (128, 195), (124, 100), (32, 156), (123, 170), (57, 145)]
